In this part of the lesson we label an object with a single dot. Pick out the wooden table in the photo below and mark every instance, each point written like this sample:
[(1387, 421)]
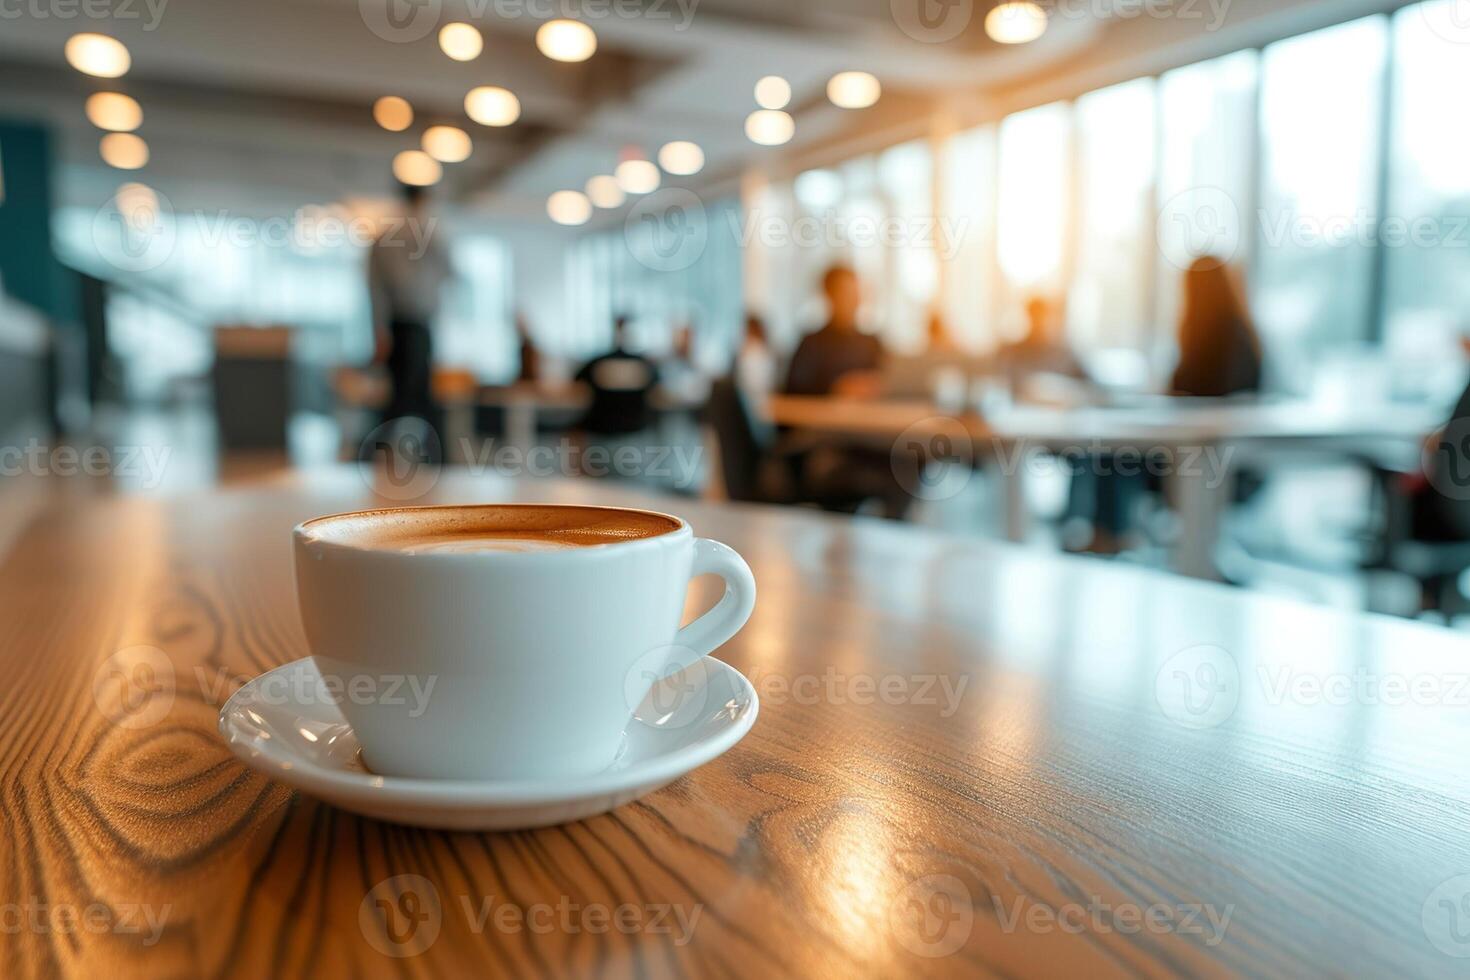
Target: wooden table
[(970, 759), (1207, 439)]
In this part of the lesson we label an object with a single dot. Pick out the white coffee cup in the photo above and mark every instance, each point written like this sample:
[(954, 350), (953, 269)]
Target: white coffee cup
[(461, 662)]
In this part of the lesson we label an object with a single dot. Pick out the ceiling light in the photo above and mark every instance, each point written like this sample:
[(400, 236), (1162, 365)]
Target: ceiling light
[(461, 41), (637, 176), (137, 203), (769, 127), (97, 54), (681, 157), (491, 105), (566, 40), (447, 144), (124, 151), (773, 92), (569, 208), (1016, 23), (393, 114), (417, 168), (853, 90), (114, 111), (603, 191)]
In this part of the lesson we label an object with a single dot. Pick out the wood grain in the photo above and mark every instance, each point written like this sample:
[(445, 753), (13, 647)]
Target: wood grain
[(851, 833)]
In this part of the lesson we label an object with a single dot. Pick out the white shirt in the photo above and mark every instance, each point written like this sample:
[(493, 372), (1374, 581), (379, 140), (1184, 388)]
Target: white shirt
[(405, 276)]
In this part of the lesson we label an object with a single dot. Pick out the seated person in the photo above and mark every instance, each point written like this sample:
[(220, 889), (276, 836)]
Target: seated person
[(1439, 495), (621, 382), (755, 369), (922, 375), (838, 359), (1219, 352), (1042, 351)]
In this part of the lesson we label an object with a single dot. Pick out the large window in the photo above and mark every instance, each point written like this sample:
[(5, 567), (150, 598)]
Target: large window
[(1426, 232), (673, 264), (967, 236), (875, 214), (306, 271), (1331, 169), (1207, 148), (853, 229), (1321, 107), (1110, 300), (476, 327), (906, 177), (1032, 220)]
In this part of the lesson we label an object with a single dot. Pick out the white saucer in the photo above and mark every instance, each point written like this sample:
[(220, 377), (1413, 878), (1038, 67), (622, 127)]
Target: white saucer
[(306, 743)]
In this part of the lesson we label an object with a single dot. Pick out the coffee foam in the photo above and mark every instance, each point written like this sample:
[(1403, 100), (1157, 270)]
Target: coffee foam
[(464, 545), (489, 527)]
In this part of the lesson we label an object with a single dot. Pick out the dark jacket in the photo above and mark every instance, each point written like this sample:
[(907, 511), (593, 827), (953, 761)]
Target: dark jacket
[(621, 382), (823, 357)]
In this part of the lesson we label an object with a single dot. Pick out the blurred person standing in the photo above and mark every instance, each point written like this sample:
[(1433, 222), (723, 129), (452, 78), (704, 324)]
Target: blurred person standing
[(755, 368), (838, 359), (407, 271), (1219, 351), (529, 370), (680, 376)]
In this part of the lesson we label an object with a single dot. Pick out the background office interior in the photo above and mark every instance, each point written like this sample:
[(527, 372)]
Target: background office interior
[(1320, 146)]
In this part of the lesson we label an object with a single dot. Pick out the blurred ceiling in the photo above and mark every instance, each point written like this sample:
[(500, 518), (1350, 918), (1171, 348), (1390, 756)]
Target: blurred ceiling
[(264, 105)]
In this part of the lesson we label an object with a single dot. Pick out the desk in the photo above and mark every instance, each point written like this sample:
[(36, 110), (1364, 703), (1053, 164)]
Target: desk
[(970, 759), (525, 400), (1214, 434)]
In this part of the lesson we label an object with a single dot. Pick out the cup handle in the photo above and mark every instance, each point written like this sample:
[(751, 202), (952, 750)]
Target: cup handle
[(707, 633)]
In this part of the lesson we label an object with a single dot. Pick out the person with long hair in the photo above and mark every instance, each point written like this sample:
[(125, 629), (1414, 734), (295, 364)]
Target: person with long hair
[(1219, 351)]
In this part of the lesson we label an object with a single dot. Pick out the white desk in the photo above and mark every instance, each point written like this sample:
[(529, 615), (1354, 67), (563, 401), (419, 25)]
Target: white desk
[(1211, 436)]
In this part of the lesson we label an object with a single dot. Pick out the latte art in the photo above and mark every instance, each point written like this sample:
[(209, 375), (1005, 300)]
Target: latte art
[(439, 545)]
